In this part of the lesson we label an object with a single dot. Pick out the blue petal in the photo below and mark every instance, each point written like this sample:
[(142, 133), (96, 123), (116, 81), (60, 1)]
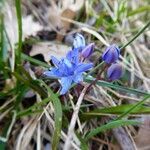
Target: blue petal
[(114, 72), (88, 50), (111, 54), (55, 61), (63, 68), (77, 78), (111, 57), (69, 55), (67, 63), (53, 73), (83, 67), (65, 83), (73, 56), (79, 42)]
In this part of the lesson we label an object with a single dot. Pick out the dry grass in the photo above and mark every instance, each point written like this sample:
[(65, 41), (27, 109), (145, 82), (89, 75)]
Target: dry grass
[(94, 19)]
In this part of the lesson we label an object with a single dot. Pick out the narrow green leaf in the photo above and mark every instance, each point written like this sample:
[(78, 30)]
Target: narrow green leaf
[(58, 116), (117, 87), (19, 20), (116, 110), (35, 61), (110, 125), (139, 10), (3, 43), (32, 109), (137, 105), (136, 35), (58, 122), (83, 144), (22, 89), (2, 145), (29, 82)]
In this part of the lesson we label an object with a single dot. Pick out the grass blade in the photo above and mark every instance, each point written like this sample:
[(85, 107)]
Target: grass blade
[(117, 87), (110, 125), (58, 116), (134, 107), (35, 61), (19, 19), (116, 110)]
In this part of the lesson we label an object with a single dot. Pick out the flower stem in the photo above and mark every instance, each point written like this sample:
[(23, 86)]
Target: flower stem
[(136, 35), (98, 76), (94, 69)]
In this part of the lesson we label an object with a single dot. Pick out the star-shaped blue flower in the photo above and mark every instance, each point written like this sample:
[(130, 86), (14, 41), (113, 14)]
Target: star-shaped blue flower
[(68, 70)]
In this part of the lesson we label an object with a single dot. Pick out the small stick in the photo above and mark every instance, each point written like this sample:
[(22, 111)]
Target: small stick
[(67, 144)]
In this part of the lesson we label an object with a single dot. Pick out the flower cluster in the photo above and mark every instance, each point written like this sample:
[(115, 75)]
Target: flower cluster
[(70, 69), (110, 56)]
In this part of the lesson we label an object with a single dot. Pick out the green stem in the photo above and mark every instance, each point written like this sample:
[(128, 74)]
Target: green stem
[(136, 35), (94, 69), (19, 20)]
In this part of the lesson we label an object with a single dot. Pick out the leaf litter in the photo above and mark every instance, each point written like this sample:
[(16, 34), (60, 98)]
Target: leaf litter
[(66, 18)]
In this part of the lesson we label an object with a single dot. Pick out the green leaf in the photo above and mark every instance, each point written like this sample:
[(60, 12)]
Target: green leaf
[(3, 43), (21, 91), (58, 122), (110, 125), (117, 122), (137, 105), (58, 112), (2, 145), (139, 10), (35, 61), (116, 110), (83, 144), (28, 81), (32, 109), (117, 87), (19, 20), (58, 116), (122, 110)]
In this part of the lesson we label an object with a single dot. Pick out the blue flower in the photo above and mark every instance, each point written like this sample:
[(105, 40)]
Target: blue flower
[(79, 42), (68, 70), (88, 50), (114, 72), (111, 54)]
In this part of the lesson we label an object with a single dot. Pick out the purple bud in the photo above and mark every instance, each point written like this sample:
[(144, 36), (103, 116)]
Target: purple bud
[(79, 42), (115, 71), (88, 50), (111, 54)]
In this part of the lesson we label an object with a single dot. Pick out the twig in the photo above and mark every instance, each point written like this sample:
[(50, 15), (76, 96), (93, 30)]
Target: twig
[(74, 119)]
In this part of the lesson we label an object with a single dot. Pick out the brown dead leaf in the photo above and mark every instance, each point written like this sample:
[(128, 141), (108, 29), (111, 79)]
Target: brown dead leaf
[(69, 14), (65, 9), (48, 49)]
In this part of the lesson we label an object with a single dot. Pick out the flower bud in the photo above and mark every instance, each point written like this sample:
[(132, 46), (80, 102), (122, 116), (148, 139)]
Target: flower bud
[(111, 54), (79, 42), (115, 71), (88, 50)]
